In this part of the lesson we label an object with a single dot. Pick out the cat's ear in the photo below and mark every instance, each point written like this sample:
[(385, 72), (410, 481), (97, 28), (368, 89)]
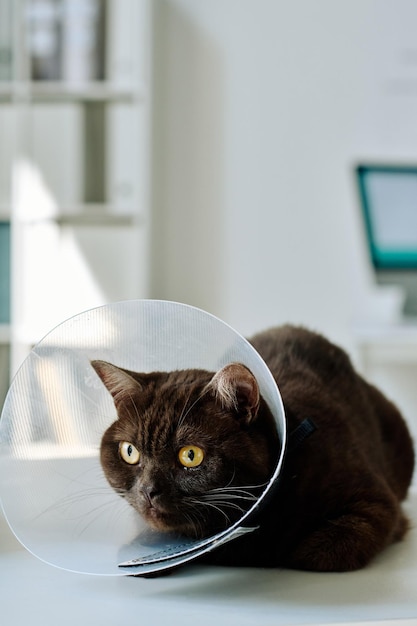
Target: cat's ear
[(236, 388), (119, 382)]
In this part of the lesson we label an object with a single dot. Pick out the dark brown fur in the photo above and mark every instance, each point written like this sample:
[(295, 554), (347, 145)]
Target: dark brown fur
[(338, 502)]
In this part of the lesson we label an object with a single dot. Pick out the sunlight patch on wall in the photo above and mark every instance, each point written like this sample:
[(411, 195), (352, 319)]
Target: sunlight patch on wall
[(52, 280)]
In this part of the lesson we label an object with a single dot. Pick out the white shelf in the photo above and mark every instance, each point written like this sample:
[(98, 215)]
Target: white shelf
[(91, 218), (53, 92), (90, 215)]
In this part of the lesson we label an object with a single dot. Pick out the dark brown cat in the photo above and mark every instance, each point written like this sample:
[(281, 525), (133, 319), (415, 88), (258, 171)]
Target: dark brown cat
[(192, 449)]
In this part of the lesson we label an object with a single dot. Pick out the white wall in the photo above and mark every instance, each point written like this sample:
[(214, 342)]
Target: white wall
[(262, 107)]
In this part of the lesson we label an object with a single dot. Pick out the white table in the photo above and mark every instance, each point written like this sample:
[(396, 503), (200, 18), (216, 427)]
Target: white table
[(34, 593)]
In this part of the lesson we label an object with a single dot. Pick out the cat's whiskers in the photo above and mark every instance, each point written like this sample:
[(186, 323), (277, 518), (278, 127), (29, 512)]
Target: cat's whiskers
[(69, 500), (244, 489), (109, 509), (223, 503), (245, 492), (220, 499), (135, 419), (229, 500), (194, 516), (226, 497), (185, 411), (199, 504), (84, 504)]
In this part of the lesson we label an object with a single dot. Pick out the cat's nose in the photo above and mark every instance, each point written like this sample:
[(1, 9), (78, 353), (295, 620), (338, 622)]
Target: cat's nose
[(151, 492)]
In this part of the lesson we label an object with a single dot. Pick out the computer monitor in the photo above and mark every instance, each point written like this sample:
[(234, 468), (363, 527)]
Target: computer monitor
[(388, 199)]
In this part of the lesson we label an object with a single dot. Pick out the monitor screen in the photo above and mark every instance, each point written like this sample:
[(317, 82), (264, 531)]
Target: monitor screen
[(4, 272), (388, 196)]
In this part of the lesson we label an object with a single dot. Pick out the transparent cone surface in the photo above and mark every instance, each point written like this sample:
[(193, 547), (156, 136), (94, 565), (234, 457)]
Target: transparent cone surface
[(52, 488)]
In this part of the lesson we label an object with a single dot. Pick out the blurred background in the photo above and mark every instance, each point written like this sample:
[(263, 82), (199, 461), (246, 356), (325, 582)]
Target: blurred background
[(207, 152)]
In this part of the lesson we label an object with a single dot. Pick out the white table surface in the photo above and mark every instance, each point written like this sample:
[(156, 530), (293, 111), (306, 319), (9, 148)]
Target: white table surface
[(32, 592)]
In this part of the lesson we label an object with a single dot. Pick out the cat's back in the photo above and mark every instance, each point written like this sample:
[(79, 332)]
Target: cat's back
[(317, 378), (294, 349)]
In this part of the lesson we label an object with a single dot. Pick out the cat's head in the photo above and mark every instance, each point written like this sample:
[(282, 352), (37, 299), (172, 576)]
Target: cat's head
[(191, 449)]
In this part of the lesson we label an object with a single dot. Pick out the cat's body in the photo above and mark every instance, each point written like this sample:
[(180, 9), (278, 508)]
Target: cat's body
[(205, 441)]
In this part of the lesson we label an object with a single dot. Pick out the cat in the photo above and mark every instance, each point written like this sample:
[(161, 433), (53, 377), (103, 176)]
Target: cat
[(191, 450)]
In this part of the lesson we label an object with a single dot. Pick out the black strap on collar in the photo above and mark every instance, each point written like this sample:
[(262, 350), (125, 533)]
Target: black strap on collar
[(300, 433)]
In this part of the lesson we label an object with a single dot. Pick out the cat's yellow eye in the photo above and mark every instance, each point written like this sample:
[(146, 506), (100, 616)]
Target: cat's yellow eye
[(129, 453), (191, 456)]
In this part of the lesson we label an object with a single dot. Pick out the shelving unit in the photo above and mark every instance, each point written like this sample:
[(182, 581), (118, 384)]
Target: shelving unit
[(74, 158)]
